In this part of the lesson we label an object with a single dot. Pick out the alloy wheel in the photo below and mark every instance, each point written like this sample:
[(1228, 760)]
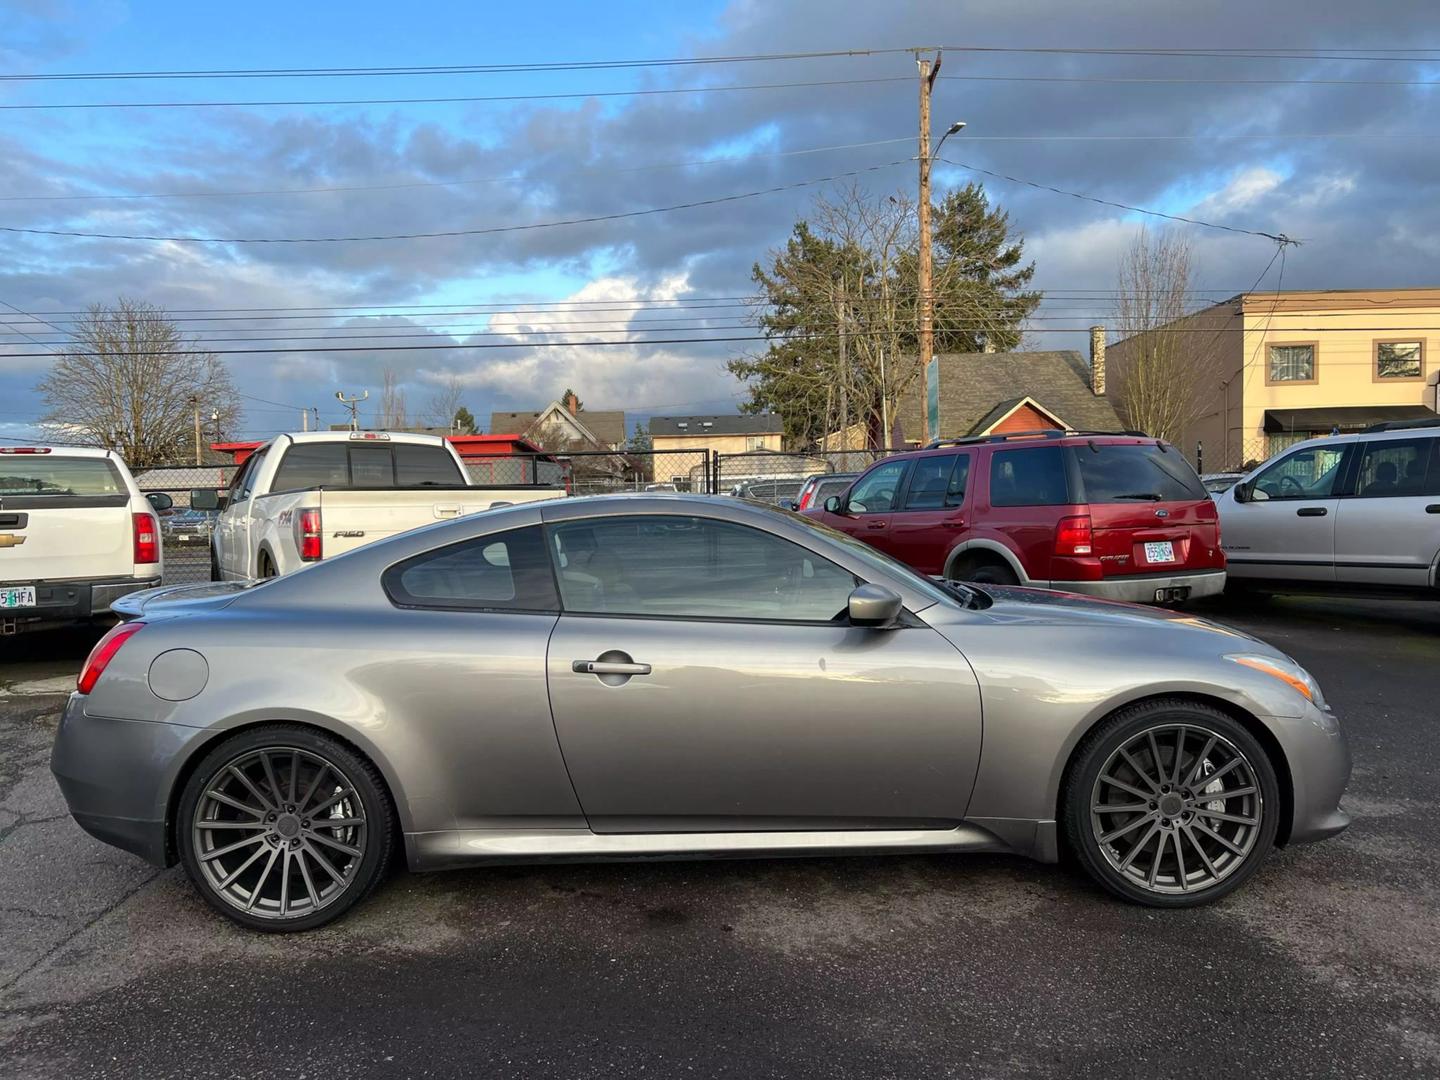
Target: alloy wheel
[(1176, 809), (279, 832)]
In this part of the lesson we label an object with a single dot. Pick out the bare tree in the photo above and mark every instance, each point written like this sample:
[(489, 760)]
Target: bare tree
[(392, 415), (132, 382), (1166, 370), (444, 403)]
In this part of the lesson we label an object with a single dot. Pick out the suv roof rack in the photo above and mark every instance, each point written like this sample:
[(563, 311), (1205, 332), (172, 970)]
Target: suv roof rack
[(1402, 425), (1044, 433)]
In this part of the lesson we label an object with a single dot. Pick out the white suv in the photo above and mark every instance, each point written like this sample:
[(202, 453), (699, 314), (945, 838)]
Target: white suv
[(76, 534), (1359, 513)]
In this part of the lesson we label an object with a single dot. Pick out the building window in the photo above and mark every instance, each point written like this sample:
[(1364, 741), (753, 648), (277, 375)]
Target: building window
[(1292, 363), (1399, 359)]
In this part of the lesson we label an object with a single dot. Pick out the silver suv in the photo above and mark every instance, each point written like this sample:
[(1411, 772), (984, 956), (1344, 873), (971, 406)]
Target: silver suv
[(1354, 512)]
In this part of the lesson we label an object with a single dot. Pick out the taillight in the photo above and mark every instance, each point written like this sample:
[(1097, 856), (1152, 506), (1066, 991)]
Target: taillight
[(307, 535), (805, 499), (103, 652), (147, 538), (1072, 536)]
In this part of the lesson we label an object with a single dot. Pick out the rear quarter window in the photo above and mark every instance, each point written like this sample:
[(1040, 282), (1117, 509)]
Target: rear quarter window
[(1028, 477), (1119, 472)]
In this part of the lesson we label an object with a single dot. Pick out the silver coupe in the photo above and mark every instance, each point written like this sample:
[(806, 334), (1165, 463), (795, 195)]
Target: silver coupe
[(662, 675)]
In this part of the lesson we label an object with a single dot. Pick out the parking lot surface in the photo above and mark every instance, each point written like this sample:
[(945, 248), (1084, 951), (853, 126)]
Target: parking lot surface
[(1326, 964)]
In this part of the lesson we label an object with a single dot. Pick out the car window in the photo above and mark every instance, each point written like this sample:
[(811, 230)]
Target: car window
[(246, 480), (1396, 467), (1119, 472), (1033, 477), (313, 464), (874, 493), (930, 482), (1305, 474), (506, 571), (688, 567), (41, 474), (422, 466)]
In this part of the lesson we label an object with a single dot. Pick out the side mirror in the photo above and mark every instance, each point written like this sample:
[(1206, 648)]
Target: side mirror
[(874, 605), (159, 500), (1242, 492), (204, 499), (833, 505)]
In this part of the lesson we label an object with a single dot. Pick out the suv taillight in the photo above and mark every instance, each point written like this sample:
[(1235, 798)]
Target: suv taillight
[(805, 499), (103, 652), (1073, 536), (307, 535), (147, 538)]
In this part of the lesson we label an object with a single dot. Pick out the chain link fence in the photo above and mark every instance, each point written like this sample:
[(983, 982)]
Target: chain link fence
[(1243, 456), (776, 477), (185, 532)]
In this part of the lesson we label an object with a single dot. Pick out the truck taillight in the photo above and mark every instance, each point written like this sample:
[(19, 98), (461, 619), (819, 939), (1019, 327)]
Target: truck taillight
[(103, 652), (1073, 536), (307, 535), (147, 538)]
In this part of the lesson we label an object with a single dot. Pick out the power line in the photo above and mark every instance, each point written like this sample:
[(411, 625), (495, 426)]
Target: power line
[(490, 231), (459, 100), (1405, 55), (1279, 238), (448, 69), (512, 178)]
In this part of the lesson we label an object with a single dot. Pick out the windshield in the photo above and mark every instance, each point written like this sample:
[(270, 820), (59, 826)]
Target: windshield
[(39, 475), (1125, 472)]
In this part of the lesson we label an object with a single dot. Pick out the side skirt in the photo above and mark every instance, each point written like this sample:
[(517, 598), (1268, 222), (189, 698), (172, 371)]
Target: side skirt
[(444, 850)]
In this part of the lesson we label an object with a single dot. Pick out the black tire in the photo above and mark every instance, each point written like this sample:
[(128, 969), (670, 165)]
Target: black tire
[(990, 573), (1180, 728), (214, 566), (375, 834)]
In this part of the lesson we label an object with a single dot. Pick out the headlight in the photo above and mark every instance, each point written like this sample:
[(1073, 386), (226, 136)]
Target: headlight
[(1286, 670)]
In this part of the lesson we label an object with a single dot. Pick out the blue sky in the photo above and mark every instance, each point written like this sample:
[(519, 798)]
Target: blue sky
[(1351, 168)]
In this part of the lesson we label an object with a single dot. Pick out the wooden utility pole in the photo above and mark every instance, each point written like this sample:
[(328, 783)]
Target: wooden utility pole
[(196, 402), (928, 72)]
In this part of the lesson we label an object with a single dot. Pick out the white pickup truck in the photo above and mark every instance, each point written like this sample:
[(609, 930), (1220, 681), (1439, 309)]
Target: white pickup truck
[(311, 495), (76, 534)]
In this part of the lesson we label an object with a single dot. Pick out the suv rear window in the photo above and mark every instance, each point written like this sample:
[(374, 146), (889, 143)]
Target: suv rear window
[(1121, 472), (1034, 477), (341, 465), (43, 475)]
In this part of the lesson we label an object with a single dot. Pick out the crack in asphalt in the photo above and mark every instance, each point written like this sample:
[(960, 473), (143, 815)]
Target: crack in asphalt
[(62, 943), (24, 820)]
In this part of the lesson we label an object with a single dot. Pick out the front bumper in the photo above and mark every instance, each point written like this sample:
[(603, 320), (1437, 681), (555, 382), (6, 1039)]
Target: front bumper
[(73, 600), (116, 777), (1141, 588), (1318, 755)]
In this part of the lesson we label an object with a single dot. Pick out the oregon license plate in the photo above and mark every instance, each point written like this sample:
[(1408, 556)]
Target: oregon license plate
[(15, 598), (1160, 551)]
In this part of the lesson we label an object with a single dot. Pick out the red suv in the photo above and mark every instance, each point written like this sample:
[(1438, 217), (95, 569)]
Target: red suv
[(1117, 515)]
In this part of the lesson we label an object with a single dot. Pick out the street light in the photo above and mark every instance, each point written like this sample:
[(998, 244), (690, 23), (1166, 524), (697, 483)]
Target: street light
[(954, 128)]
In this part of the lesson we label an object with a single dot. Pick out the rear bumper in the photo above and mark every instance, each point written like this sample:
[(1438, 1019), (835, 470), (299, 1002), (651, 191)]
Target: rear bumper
[(77, 598), (1141, 588), (115, 776)]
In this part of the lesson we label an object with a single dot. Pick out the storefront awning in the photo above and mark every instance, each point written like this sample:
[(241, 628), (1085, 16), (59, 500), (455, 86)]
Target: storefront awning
[(1344, 417)]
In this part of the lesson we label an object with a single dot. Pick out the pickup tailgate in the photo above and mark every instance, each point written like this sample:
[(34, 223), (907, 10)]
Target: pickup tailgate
[(54, 537), (351, 519)]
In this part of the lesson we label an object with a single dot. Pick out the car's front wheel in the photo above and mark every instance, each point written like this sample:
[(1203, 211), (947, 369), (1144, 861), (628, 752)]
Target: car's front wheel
[(1171, 803), (284, 828)]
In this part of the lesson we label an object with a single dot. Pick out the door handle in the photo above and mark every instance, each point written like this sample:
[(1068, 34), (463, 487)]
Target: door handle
[(608, 667), (953, 524), (1433, 508), (1311, 511), (875, 525)]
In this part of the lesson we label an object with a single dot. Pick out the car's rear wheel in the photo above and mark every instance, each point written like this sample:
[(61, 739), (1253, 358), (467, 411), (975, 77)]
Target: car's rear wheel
[(265, 566), (1171, 803), (283, 828)]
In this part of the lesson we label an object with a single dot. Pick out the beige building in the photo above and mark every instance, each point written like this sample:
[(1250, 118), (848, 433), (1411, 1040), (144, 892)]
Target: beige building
[(734, 434), (1288, 366)]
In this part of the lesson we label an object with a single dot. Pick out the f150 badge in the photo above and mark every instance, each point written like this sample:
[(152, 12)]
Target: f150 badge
[(349, 532)]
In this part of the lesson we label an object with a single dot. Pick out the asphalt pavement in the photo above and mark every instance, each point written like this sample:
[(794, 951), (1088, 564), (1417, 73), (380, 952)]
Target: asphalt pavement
[(1326, 964)]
